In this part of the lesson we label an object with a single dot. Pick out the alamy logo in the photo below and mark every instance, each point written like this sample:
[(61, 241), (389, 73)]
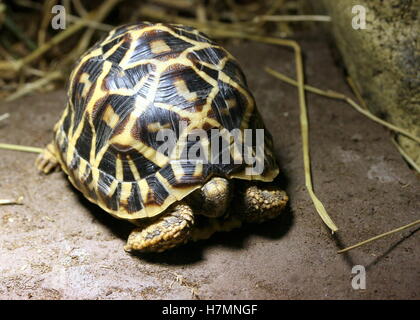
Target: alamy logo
[(218, 147), (59, 19), (359, 280), (359, 19)]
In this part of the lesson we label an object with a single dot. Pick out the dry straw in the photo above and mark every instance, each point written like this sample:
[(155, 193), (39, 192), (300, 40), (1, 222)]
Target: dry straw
[(336, 95)]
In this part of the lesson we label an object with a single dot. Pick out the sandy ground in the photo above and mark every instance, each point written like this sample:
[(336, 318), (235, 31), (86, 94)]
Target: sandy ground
[(59, 246)]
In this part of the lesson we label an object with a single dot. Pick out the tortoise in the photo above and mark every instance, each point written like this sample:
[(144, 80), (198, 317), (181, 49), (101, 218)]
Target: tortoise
[(141, 80)]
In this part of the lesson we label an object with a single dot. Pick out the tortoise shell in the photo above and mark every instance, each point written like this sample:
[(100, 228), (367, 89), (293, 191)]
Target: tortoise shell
[(142, 78)]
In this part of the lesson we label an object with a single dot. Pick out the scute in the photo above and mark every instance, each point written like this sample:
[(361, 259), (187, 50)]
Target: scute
[(142, 78)]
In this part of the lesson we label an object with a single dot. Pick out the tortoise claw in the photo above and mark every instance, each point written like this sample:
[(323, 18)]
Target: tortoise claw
[(47, 162)]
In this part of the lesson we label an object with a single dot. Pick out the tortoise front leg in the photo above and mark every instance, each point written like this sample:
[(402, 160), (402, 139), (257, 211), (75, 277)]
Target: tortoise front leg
[(254, 203), (260, 203), (171, 229), (47, 159)]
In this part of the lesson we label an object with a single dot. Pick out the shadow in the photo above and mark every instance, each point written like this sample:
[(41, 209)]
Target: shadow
[(348, 259), (339, 244), (120, 228), (391, 248), (282, 181), (193, 252)]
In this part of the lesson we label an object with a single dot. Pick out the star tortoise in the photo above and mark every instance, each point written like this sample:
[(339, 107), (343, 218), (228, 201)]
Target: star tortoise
[(141, 80)]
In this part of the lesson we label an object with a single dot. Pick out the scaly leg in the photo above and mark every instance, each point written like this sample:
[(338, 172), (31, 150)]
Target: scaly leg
[(47, 160), (171, 229), (255, 203), (260, 203)]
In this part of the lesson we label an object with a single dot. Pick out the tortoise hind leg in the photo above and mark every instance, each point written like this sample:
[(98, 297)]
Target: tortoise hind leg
[(47, 159), (171, 229)]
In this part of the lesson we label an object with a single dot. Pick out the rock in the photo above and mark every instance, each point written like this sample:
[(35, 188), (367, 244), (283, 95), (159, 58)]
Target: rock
[(383, 59)]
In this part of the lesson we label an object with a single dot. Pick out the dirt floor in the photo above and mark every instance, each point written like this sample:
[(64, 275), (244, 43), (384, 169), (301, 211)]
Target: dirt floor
[(59, 246)]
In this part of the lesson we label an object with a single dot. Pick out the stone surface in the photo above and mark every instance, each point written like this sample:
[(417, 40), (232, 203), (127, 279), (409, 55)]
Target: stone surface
[(383, 59), (59, 246)]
